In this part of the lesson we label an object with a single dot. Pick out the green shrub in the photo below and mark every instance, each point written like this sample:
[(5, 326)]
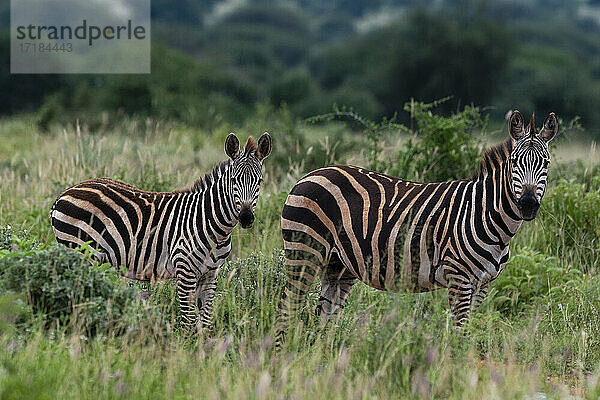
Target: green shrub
[(569, 223), (529, 278), (439, 148), (291, 88), (5, 237), (355, 96), (17, 240), (68, 289), (12, 310)]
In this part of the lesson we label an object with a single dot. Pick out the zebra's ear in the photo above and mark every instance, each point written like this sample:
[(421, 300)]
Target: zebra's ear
[(264, 146), (232, 146), (515, 125), (550, 128)]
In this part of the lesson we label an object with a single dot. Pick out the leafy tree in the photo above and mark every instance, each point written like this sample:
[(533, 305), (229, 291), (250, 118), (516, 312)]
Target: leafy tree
[(291, 88), (182, 11), (461, 57), (425, 56), (22, 92)]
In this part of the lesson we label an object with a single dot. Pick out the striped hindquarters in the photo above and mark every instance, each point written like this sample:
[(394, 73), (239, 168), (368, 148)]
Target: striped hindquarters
[(126, 224)]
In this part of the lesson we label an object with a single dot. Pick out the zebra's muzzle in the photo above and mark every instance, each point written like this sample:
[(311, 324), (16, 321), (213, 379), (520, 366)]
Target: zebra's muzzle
[(246, 217), (529, 206)]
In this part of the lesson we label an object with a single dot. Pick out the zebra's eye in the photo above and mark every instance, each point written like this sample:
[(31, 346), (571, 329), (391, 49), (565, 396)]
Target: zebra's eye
[(260, 180)]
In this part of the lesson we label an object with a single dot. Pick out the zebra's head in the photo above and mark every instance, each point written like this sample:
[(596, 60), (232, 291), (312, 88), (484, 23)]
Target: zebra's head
[(246, 174), (529, 161)]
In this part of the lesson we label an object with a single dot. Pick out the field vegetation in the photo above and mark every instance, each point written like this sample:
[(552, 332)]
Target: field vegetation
[(70, 328)]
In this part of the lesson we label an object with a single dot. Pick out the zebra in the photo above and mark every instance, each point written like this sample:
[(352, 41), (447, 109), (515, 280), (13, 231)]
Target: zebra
[(346, 223), (184, 234)]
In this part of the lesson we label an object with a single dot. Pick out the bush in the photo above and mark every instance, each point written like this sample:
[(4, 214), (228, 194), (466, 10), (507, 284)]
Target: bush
[(291, 88), (528, 278), (5, 237), (12, 310), (439, 148), (569, 223), (17, 239), (67, 289)]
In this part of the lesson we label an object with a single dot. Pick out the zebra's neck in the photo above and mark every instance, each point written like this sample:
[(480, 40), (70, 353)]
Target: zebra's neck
[(210, 178), (498, 202), (214, 189)]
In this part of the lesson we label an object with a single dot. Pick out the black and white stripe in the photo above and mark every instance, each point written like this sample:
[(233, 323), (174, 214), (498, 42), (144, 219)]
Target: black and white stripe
[(345, 223), (183, 234)]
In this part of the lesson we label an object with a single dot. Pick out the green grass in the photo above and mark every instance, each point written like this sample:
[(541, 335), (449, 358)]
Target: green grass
[(537, 332)]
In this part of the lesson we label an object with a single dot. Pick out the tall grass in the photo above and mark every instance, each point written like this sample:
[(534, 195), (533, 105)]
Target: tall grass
[(537, 335)]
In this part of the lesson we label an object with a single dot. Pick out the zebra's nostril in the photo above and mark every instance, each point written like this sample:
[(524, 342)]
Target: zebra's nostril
[(528, 202), (528, 206), (246, 217)]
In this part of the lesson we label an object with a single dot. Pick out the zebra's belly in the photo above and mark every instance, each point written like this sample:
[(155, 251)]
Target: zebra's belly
[(414, 265), (149, 262), (161, 269), (135, 261), (413, 279), (423, 269), (394, 270)]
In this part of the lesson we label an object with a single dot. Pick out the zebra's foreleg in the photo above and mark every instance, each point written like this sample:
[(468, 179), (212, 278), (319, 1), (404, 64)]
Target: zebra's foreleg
[(206, 295), (208, 283), (187, 291), (460, 296), (479, 295)]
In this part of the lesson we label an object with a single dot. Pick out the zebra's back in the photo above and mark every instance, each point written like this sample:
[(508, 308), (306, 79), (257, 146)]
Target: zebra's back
[(125, 223)]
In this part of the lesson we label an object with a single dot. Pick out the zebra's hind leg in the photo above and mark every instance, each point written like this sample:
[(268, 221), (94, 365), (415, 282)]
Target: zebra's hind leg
[(301, 270), (336, 283)]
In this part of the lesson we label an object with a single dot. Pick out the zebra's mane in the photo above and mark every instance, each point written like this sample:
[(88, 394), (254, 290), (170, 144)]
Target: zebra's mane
[(207, 180), (250, 146), (495, 155)]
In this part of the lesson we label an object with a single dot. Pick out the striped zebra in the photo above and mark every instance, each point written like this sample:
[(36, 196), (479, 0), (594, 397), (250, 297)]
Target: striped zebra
[(345, 223), (184, 234)]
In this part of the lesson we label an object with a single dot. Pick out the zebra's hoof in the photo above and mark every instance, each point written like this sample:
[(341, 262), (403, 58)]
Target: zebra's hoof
[(144, 295)]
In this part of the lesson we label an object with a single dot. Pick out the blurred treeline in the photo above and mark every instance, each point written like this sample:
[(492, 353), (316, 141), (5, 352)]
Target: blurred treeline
[(213, 61)]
